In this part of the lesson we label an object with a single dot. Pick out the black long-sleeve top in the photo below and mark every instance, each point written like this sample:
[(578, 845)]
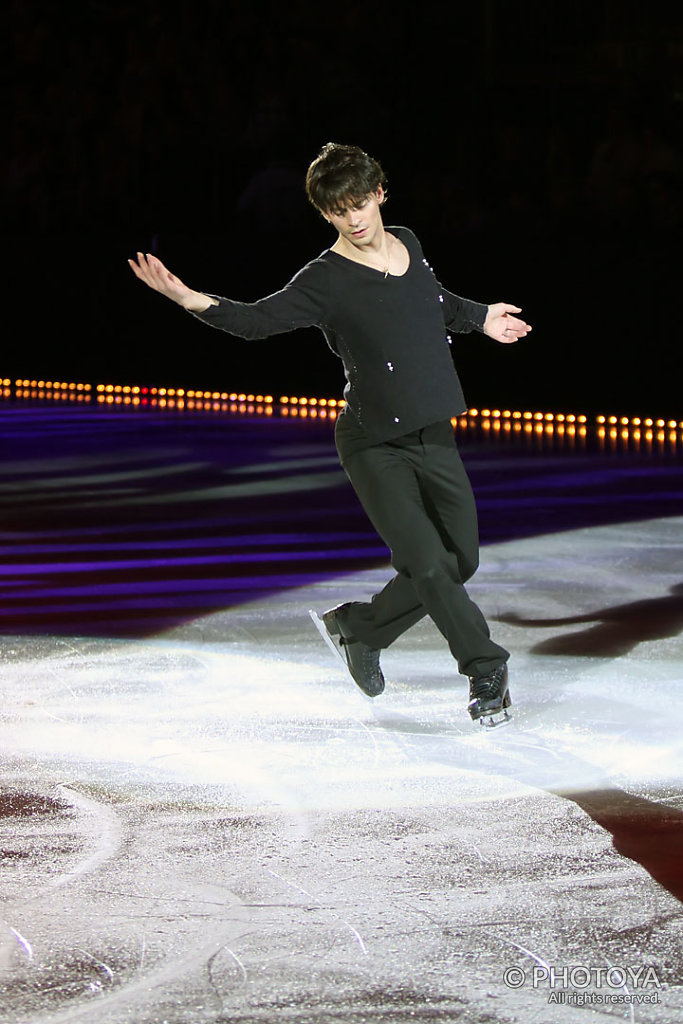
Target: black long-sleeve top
[(391, 333)]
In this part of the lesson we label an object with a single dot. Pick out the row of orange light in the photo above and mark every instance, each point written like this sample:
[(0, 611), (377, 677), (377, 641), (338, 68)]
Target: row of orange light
[(529, 424), (507, 414), (332, 403), (217, 396), (202, 400), (560, 417), (538, 423), (635, 434), (637, 421), (48, 385)]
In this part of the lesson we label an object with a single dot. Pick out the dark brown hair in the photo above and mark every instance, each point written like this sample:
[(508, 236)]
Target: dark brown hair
[(342, 176)]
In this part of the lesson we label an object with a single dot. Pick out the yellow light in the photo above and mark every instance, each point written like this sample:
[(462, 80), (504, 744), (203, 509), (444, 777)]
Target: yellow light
[(488, 418)]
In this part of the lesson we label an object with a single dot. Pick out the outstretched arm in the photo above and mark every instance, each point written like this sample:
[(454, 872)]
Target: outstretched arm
[(500, 326), (154, 274), (303, 302)]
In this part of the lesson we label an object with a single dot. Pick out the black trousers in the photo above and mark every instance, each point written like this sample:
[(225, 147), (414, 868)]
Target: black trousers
[(419, 499)]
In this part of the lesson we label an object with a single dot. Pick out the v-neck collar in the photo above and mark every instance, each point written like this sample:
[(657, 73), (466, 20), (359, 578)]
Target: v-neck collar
[(374, 270)]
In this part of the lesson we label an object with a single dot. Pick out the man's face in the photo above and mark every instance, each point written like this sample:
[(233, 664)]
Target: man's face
[(359, 224)]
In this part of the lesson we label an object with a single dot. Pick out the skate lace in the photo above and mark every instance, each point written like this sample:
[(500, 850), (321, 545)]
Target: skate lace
[(487, 686), (368, 655)]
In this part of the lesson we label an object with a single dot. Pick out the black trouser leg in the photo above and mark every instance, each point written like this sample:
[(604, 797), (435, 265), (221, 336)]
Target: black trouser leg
[(418, 496)]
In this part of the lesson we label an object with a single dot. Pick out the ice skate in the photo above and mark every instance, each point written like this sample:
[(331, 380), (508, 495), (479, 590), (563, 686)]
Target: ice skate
[(361, 661), (490, 697)]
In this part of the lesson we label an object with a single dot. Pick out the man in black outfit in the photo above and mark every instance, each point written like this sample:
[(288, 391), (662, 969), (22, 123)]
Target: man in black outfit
[(383, 312)]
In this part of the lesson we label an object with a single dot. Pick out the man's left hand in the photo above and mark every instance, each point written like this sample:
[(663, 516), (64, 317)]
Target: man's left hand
[(502, 326)]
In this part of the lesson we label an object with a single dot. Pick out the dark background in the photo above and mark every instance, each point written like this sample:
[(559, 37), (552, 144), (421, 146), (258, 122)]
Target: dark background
[(534, 147)]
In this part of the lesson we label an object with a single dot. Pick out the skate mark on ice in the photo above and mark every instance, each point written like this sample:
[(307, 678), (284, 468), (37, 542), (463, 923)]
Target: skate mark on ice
[(358, 938), (24, 943)]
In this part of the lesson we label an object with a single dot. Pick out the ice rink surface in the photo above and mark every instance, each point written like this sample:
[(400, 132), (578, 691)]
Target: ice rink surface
[(205, 821)]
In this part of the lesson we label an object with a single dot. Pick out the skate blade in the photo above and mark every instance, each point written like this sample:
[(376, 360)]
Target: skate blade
[(336, 649), (495, 720)]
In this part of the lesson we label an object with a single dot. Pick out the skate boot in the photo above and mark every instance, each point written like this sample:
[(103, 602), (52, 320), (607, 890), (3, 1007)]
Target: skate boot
[(490, 697), (361, 661)]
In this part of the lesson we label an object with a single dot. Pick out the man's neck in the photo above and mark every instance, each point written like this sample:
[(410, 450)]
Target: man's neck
[(371, 248)]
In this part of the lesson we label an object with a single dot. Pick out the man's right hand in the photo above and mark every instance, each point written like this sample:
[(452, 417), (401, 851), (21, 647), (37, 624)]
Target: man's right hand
[(154, 274)]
